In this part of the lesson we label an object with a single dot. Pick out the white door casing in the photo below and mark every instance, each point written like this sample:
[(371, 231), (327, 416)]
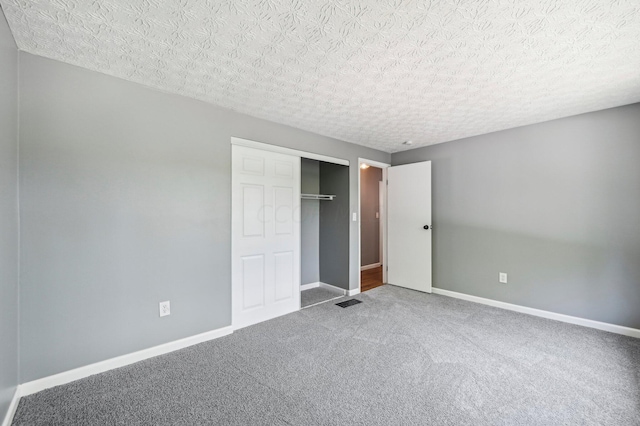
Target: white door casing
[(382, 217), (408, 212), (265, 227)]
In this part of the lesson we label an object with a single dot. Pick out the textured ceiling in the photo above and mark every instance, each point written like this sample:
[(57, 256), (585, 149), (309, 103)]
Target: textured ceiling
[(370, 72)]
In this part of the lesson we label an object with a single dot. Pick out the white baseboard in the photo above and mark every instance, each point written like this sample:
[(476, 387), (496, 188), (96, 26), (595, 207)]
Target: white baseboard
[(8, 418), (333, 288), (353, 292), (618, 329), (304, 287), (109, 364), (373, 265)]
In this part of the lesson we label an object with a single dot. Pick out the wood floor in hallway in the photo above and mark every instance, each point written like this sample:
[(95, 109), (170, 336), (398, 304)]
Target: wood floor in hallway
[(371, 278)]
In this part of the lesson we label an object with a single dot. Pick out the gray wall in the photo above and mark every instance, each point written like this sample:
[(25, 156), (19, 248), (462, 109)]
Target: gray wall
[(125, 198), (309, 223), (370, 225), (334, 225), (555, 205), (8, 216)]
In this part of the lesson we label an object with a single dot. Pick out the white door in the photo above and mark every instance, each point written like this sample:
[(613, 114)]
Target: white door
[(265, 227), (409, 226)]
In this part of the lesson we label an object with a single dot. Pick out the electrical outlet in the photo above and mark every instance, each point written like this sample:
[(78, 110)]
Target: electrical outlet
[(165, 308), (503, 277)]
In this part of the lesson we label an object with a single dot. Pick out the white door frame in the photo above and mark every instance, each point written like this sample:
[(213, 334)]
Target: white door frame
[(383, 220), (293, 152)]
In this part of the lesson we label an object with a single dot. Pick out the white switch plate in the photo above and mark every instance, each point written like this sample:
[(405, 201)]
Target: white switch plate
[(377, 215), (165, 308), (503, 277), (355, 217)]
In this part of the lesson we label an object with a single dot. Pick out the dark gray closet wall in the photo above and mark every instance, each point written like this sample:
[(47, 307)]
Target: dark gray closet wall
[(334, 225), (309, 222)]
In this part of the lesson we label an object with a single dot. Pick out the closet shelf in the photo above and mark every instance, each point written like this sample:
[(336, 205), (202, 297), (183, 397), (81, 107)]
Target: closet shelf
[(317, 197)]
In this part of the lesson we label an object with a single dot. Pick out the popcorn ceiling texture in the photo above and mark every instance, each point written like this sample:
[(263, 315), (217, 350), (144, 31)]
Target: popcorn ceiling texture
[(374, 73)]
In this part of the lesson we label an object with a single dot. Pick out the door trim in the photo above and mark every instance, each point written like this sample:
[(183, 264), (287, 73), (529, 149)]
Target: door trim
[(383, 220), (282, 150)]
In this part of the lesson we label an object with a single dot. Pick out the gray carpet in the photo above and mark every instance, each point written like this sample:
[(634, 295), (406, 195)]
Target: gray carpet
[(316, 295), (399, 358)]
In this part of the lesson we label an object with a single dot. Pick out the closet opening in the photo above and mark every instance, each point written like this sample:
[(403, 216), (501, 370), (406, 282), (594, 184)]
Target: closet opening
[(324, 231), (274, 245)]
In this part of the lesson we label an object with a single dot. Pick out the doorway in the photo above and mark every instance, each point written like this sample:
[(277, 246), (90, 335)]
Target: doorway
[(372, 208)]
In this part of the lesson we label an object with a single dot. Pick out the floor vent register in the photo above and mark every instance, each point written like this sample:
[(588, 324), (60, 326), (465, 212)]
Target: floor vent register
[(348, 303)]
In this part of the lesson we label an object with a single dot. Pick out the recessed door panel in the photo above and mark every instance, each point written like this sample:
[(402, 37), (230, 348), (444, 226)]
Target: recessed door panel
[(253, 210), (283, 268), (284, 169), (252, 281), (283, 203), (253, 165)]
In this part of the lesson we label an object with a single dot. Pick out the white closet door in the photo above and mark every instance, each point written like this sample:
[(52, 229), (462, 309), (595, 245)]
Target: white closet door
[(265, 228), (409, 226)]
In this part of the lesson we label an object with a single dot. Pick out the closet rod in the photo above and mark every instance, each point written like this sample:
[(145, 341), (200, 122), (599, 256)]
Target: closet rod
[(317, 197)]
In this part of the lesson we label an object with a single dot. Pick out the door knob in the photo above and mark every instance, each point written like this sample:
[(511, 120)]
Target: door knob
[(425, 227)]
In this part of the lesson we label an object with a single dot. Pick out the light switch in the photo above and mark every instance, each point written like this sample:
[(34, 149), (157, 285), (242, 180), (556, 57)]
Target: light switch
[(355, 217)]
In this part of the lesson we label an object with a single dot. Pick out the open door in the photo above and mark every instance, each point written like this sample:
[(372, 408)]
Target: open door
[(409, 226)]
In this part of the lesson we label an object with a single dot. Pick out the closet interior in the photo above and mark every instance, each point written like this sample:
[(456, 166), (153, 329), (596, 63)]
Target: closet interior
[(324, 229)]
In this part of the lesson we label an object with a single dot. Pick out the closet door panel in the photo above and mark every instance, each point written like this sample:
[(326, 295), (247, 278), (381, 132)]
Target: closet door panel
[(265, 228)]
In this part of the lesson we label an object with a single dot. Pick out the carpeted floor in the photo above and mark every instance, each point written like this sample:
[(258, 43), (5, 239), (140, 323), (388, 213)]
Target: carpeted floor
[(398, 358), (316, 295)]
